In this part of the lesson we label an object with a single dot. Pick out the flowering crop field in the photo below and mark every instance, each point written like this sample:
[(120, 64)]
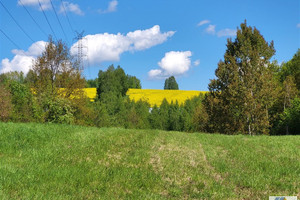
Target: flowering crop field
[(155, 97), (91, 93)]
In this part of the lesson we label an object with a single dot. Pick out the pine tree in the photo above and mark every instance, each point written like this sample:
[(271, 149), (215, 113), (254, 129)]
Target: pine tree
[(244, 89)]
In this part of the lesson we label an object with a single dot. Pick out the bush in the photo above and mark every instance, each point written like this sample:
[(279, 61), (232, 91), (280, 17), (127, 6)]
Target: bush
[(59, 110), (24, 108), (5, 103)]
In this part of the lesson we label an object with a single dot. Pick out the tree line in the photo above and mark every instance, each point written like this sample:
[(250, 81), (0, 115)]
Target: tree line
[(250, 95)]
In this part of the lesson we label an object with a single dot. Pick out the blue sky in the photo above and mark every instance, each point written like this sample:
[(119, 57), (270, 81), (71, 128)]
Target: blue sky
[(150, 39)]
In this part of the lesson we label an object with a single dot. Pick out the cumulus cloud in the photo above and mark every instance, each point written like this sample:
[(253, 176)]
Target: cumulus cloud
[(174, 63), (23, 60), (44, 3), (211, 29), (298, 25), (144, 39), (70, 7), (156, 74), (226, 32), (203, 22), (109, 47), (112, 7)]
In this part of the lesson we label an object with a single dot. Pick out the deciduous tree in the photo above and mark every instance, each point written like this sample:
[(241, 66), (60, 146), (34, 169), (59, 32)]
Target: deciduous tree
[(244, 88), (171, 84), (55, 69)]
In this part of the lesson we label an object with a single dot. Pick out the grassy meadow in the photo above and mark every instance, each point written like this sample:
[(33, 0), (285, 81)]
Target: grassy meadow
[(51, 161)]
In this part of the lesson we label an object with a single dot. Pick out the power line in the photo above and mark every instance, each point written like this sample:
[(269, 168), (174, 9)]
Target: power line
[(67, 16), (16, 22), (47, 19), (10, 39), (33, 19), (58, 20)]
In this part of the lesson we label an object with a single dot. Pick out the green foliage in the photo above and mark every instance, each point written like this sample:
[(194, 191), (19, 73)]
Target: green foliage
[(289, 122), (59, 110), (292, 68), (244, 89), (112, 80), (115, 81), (22, 99), (92, 83), (133, 82), (53, 70), (171, 84), (24, 106), (12, 76), (164, 114), (102, 118), (172, 116), (84, 111), (112, 86), (137, 115), (155, 118), (5, 103), (200, 119)]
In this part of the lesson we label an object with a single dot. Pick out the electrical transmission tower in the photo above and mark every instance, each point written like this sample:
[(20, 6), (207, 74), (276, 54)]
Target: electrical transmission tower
[(80, 47)]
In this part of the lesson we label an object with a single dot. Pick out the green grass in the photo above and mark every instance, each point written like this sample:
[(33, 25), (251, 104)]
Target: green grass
[(48, 161)]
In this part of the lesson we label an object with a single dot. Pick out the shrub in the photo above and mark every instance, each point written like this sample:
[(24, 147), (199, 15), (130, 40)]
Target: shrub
[(59, 110), (5, 103)]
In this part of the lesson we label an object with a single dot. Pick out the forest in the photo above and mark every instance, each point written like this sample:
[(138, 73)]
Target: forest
[(251, 94)]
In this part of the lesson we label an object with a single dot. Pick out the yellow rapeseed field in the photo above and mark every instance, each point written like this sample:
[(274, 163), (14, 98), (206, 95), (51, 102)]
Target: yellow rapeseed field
[(155, 97), (91, 93)]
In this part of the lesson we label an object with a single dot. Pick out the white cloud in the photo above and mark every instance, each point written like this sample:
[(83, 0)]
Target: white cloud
[(298, 25), (226, 32), (174, 63), (196, 62), (144, 39), (211, 29), (203, 22), (44, 3), (155, 73), (70, 7), (23, 60), (112, 7), (109, 47)]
